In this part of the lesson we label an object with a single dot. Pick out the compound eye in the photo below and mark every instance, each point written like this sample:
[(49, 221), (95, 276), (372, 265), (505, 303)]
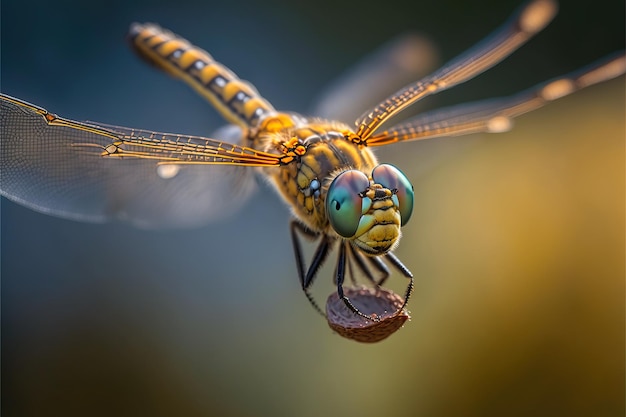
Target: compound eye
[(343, 201), (392, 178)]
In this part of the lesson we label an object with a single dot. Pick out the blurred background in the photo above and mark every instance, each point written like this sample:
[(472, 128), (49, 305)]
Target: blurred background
[(516, 242)]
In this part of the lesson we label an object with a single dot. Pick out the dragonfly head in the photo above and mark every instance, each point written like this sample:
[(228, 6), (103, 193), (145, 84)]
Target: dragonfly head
[(370, 211)]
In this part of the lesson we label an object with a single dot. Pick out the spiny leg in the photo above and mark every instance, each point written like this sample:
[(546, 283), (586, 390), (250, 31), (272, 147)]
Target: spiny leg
[(382, 267), (360, 263), (378, 263), (340, 271), (374, 260), (393, 259), (306, 279), (352, 273)]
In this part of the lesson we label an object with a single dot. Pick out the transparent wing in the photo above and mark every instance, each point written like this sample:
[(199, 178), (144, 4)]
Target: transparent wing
[(97, 173), (531, 19), (497, 115), (392, 66)]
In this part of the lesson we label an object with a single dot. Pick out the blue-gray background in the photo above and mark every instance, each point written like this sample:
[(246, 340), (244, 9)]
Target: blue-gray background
[(517, 241)]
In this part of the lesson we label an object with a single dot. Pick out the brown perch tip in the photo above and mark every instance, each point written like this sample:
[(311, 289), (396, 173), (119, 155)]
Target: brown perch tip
[(376, 302)]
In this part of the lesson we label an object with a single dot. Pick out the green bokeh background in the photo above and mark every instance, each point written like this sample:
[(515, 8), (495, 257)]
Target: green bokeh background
[(517, 240)]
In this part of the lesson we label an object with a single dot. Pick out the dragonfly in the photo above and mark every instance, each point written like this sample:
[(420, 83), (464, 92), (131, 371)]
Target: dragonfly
[(340, 196)]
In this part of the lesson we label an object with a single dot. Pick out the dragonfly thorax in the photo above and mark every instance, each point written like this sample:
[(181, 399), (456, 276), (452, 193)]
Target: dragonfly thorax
[(334, 185), (303, 182)]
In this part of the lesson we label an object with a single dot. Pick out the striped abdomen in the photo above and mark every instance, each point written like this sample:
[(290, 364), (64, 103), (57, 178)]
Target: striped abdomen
[(238, 101)]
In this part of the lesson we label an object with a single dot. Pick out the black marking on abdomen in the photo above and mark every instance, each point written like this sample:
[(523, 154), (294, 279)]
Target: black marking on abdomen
[(217, 84), (237, 102), (228, 93)]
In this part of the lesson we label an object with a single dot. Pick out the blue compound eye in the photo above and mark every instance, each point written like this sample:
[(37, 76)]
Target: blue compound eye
[(392, 178), (343, 202)]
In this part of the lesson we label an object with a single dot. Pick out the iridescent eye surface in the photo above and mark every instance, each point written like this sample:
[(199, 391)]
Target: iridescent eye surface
[(392, 178), (343, 202)]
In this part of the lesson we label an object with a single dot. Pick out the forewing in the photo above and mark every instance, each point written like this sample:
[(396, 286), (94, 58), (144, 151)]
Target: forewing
[(532, 18), (80, 171), (496, 115)]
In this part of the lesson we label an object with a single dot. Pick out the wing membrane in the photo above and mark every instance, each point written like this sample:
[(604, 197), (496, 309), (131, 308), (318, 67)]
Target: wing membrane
[(167, 148), (496, 115), (95, 173), (531, 19)]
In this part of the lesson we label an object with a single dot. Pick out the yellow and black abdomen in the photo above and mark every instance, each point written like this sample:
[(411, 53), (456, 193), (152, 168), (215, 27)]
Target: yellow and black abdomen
[(237, 100)]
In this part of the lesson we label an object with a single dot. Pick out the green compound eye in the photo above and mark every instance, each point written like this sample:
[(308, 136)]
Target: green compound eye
[(392, 178), (343, 202)]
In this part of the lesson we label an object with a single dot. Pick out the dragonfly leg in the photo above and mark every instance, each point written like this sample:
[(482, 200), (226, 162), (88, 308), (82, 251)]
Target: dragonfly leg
[(339, 277), (360, 263), (321, 253), (375, 261), (380, 265), (397, 263)]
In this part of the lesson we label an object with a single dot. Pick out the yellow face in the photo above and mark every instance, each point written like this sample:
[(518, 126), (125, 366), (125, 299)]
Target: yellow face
[(370, 210), (379, 227)]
